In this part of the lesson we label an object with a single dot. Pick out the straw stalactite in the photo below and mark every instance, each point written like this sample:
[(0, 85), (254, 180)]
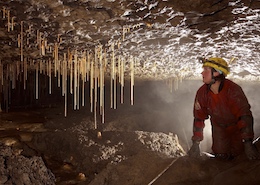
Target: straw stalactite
[(73, 69)]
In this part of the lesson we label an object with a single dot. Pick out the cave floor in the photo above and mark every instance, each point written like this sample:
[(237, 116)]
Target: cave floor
[(47, 133)]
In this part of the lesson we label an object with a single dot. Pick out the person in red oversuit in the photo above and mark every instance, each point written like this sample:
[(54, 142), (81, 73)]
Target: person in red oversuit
[(225, 103)]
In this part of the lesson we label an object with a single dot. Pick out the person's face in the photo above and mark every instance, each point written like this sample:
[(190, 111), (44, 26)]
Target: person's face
[(206, 75)]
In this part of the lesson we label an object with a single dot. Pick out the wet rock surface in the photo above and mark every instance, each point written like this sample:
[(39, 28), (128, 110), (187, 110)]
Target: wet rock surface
[(18, 169), (78, 155)]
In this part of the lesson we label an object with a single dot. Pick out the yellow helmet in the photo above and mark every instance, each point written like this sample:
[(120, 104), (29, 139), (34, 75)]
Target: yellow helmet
[(217, 63)]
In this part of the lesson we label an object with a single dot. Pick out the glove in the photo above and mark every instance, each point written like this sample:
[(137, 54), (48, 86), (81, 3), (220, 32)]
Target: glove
[(251, 150), (195, 150)]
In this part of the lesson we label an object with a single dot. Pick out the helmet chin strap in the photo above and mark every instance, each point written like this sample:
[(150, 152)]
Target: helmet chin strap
[(213, 80)]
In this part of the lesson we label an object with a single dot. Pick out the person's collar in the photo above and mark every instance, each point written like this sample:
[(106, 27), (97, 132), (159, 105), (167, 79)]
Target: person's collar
[(215, 87)]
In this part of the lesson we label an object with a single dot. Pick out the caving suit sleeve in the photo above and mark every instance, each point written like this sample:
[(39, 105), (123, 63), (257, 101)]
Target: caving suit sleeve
[(200, 114), (241, 109)]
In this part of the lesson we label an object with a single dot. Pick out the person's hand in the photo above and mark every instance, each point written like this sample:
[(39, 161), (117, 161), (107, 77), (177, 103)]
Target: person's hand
[(195, 150), (251, 151)]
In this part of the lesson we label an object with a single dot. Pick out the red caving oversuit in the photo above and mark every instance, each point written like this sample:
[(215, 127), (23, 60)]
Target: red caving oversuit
[(226, 111)]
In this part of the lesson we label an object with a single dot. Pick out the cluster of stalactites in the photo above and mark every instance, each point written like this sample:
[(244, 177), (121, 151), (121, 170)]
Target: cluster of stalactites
[(72, 69)]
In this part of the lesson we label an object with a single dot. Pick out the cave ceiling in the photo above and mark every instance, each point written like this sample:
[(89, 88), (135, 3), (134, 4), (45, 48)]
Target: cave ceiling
[(163, 37)]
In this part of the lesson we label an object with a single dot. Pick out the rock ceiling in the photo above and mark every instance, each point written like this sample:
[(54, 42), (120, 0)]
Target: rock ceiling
[(163, 38)]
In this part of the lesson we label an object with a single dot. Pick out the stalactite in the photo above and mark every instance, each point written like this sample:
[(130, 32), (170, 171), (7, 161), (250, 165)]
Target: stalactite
[(122, 80), (12, 23), (83, 75), (95, 90), (80, 67), (75, 80), (91, 84), (50, 69), (132, 80), (21, 41), (36, 81), (8, 21), (114, 91), (176, 83)]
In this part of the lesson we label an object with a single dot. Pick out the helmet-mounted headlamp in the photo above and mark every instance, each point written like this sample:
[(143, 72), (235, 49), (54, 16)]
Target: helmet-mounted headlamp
[(218, 64)]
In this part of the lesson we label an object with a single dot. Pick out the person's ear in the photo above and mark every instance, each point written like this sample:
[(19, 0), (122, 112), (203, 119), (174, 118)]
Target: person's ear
[(216, 73)]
